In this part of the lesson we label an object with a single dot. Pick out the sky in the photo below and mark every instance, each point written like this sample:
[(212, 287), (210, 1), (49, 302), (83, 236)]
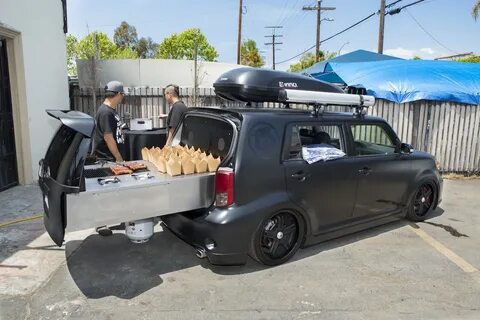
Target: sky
[(430, 29)]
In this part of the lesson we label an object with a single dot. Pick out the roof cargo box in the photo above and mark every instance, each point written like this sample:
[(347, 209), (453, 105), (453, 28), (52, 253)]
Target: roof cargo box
[(261, 85)]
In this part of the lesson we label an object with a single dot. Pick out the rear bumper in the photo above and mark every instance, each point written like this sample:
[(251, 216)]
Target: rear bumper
[(199, 228)]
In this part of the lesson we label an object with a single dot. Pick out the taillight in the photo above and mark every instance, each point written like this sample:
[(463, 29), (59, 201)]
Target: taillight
[(224, 187)]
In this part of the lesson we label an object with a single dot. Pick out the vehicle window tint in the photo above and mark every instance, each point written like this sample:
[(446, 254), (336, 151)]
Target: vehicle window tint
[(325, 135), (371, 139), (210, 135), (58, 148)]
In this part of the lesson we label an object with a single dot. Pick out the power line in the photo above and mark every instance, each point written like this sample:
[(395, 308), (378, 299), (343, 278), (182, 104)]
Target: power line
[(428, 33), (332, 36), (288, 12), (393, 3), (397, 10), (391, 12)]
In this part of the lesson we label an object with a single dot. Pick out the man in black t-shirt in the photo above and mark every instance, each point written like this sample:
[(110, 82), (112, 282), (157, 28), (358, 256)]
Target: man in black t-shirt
[(177, 109), (108, 138)]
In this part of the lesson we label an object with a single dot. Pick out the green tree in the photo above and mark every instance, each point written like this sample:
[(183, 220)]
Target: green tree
[(125, 36), (249, 54), (72, 43), (416, 58), (476, 9), (308, 60), (106, 49), (125, 53), (146, 48), (182, 46), (474, 59)]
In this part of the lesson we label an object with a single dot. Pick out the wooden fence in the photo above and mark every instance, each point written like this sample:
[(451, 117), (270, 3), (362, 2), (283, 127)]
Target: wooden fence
[(449, 131)]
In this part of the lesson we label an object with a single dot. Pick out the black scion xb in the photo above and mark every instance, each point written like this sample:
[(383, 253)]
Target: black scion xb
[(269, 200), (265, 200)]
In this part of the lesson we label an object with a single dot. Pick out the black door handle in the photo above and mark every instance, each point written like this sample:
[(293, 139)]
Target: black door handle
[(365, 170)]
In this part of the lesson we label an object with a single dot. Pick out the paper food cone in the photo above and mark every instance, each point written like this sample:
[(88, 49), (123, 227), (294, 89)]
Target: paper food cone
[(145, 154), (187, 166), (213, 163), (201, 165), (161, 164), (174, 167)]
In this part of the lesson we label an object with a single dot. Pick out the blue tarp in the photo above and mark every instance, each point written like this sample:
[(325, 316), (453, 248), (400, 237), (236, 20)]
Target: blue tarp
[(409, 80), (354, 56)]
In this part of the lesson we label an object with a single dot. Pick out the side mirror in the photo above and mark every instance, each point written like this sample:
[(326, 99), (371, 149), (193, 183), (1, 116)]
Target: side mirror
[(406, 148)]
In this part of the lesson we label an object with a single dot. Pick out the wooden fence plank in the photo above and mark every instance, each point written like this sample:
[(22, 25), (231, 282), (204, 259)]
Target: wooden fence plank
[(456, 137), (446, 122), (433, 129), (421, 126), (410, 122), (475, 157), (452, 136), (462, 136), (469, 118)]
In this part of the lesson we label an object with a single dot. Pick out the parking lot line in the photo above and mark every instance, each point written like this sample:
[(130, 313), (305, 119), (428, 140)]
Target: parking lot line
[(449, 254), (35, 216)]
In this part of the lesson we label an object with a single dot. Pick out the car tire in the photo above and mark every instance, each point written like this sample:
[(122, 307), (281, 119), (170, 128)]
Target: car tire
[(422, 201), (277, 238)]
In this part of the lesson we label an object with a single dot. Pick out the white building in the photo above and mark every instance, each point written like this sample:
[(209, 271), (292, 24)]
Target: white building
[(33, 78)]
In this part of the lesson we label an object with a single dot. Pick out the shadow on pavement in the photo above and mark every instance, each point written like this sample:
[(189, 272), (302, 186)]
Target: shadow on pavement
[(113, 266)]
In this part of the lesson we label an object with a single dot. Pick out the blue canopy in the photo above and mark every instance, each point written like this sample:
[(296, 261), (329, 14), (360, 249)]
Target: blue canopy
[(410, 80)]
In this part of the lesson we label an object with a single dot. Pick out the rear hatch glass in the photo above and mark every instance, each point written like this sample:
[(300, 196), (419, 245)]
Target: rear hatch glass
[(211, 135)]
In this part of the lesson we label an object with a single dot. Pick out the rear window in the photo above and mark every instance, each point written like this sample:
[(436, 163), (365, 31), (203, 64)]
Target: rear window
[(210, 135), (58, 148)]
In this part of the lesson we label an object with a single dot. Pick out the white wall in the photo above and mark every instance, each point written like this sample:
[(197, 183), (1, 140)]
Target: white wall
[(151, 72), (44, 56)]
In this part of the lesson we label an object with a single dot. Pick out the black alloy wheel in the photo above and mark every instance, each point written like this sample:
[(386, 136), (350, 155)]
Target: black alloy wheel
[(278, 238), (422, 202)]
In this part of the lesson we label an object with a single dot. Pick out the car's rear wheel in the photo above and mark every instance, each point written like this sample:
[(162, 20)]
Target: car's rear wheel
[(278, 238), (422, 202)]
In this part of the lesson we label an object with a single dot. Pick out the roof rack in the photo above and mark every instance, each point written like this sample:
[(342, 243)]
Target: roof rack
[(320, 99)]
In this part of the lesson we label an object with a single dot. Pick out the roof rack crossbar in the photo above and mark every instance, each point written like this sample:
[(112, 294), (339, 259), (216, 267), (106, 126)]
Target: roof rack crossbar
[(316, 97)]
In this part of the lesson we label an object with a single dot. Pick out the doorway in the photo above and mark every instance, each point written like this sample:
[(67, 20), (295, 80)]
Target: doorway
[(8, 158)]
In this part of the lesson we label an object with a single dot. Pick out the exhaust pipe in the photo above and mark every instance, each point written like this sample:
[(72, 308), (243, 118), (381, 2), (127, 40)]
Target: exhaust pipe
[(200, 253)]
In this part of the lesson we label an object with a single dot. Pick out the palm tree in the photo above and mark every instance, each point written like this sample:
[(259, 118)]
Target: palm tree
[(250, 56), (476, 10)]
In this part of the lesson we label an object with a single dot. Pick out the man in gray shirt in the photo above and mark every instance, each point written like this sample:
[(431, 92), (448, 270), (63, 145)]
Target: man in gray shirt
[(177, 109)]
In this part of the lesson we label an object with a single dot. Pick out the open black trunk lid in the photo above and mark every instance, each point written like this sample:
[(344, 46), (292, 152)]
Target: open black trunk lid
[(61, 170)]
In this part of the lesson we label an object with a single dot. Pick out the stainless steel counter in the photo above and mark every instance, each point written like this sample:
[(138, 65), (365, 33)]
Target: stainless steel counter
[(132, 199)]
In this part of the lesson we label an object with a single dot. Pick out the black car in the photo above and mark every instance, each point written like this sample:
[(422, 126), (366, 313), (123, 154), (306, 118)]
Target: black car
[(271, 201), (265, 200)]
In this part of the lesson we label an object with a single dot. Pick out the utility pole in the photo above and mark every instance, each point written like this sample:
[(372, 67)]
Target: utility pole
[(319, 10), (274, 42), (195, 73), (381, 28), (239, 39)]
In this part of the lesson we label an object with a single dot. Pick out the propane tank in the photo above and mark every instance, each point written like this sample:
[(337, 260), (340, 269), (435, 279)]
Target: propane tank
[(139, 231)]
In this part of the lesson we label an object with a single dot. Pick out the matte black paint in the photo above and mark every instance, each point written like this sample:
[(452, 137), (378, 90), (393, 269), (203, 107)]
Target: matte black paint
[(335, 198)]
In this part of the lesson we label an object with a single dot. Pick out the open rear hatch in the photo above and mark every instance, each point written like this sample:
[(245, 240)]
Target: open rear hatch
[(61, 171), (74, 197)]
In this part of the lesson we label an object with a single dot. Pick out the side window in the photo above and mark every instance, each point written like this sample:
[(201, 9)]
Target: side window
[(371, 139), (329, 136)]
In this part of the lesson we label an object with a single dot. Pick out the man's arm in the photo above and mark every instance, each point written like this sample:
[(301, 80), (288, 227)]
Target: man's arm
[(112, 146), (176, 114), (170, 136)]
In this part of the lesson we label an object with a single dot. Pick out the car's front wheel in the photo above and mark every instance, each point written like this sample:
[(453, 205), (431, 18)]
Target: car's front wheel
[(422, 202), (278, 238)]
